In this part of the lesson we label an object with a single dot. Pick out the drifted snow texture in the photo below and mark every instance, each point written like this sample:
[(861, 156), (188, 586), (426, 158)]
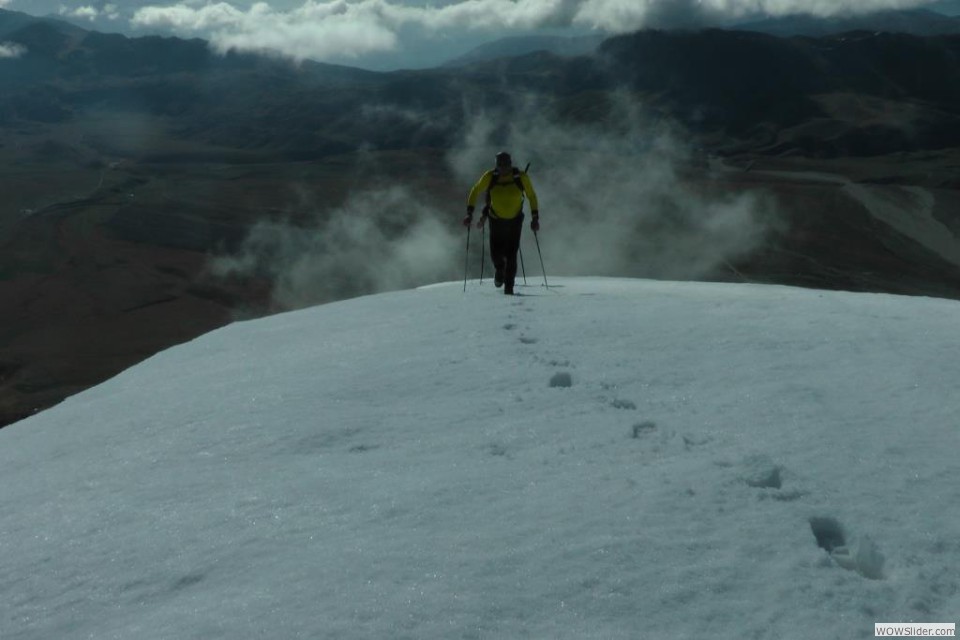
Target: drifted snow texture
[(601, 459)]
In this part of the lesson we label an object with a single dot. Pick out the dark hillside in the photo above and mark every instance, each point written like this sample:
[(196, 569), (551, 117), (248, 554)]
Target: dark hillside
[(736, 81), (918, 22)]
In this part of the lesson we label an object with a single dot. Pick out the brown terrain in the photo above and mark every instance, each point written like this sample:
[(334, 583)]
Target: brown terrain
[(882, 224), (105, 264)]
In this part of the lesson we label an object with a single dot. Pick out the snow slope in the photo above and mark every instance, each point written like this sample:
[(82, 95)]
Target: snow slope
[(604, 459)]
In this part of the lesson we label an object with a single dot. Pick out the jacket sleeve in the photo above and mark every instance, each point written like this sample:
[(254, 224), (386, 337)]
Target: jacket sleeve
[(531, 193), (477, 189)]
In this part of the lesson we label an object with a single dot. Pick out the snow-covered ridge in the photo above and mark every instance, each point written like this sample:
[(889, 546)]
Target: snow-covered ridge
[(604, 459)]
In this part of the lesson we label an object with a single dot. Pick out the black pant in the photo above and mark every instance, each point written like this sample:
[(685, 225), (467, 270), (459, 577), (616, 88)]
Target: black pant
[(504, 245)]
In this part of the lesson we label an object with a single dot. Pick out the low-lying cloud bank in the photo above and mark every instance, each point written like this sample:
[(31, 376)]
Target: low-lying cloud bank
[(342, 29), (10, 50), (380, 239), (623, 197)]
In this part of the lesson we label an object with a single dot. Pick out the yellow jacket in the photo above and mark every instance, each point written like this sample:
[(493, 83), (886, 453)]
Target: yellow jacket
[(506, 200)]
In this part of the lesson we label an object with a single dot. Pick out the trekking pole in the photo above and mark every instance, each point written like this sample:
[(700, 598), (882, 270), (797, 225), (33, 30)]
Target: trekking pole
[(523, 269), (483, 249), (466, 260), (541, 260)]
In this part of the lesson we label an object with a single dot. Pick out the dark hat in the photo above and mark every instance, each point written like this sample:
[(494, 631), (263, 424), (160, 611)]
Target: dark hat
[(504, 159)]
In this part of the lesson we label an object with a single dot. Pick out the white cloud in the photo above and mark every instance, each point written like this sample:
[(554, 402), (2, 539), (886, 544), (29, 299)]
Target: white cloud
[(314, 30), (322, 29), (352, 250), (83, 13), (214, 16), (91, 13), (11, 50), (618, 198)]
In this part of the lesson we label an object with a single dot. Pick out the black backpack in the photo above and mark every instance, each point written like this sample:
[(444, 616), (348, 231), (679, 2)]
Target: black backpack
[(495, 178)]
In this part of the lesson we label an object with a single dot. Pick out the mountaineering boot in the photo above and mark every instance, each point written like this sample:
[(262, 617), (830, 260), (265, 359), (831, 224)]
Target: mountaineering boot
[(508, 290), (498, 278)]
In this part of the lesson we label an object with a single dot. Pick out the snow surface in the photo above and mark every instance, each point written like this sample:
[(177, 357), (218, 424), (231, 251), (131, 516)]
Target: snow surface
[(602, 459)]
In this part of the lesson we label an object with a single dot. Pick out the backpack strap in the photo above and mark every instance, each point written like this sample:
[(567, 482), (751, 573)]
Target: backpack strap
[(495, 178), (517, 181)]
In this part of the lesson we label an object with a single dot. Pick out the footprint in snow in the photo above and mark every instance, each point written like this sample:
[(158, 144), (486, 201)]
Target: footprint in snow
[(761, 472), (554, 363), (496, 450), (861, 554), (642, 429), (561, 379)]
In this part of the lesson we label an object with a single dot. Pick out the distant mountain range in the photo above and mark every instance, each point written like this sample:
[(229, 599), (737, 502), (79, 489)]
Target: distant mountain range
[(919, 22), (733, 83), (947, 7), (522, 45)]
